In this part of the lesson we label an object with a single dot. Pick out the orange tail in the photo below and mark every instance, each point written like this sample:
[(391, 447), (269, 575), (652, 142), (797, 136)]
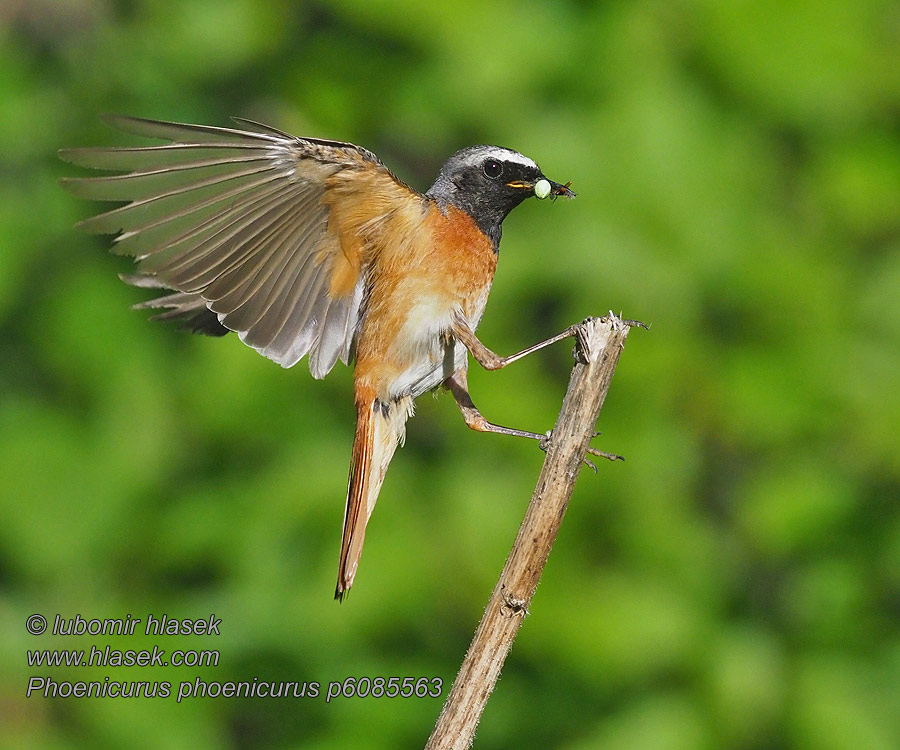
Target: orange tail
[(380, 428)]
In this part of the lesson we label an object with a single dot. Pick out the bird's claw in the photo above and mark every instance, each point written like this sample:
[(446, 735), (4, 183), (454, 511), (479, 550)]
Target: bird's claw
[(604, 454), (547, 439)]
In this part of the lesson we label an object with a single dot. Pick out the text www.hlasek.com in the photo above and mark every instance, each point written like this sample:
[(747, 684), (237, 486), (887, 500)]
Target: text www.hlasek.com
[(113, 657)]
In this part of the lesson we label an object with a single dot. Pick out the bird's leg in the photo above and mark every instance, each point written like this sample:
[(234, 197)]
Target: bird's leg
[(459, 387), (485, 357)]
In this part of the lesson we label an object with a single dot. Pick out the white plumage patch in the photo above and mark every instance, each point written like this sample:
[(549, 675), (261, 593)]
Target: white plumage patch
[(500, 154)]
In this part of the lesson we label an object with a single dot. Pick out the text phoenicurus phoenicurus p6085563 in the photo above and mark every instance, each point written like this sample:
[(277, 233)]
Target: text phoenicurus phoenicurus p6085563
[(305, 246)]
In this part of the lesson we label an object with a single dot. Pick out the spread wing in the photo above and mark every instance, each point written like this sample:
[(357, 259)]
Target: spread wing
[(261, 233)]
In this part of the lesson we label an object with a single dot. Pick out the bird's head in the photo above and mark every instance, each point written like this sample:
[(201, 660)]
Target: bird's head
[(488, 182)]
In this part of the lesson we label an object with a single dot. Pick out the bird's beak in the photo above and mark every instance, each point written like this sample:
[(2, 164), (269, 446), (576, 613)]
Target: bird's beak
[(544, 188)]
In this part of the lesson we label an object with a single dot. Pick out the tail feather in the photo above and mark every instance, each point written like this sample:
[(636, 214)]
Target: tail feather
[(380, 428)]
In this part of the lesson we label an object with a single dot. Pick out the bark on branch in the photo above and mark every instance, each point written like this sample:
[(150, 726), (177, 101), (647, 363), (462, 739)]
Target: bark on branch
[(599, 341)]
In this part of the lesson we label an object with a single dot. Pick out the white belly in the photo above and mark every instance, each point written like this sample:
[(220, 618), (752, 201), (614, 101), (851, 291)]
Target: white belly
[(434, 353)]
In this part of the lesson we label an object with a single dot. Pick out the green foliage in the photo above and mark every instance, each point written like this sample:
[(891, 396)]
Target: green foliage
[(733, 585)]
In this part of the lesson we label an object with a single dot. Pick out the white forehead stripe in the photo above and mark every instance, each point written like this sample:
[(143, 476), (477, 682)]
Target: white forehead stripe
[(502, 154)]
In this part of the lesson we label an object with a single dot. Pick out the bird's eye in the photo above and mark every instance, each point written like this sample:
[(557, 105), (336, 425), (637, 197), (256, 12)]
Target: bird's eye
[(492, 168)]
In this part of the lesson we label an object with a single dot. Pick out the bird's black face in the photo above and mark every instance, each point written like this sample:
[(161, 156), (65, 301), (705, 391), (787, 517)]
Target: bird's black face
[(488, 182)]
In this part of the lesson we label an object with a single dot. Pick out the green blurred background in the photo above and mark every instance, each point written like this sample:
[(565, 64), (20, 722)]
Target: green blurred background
[(734, 584)]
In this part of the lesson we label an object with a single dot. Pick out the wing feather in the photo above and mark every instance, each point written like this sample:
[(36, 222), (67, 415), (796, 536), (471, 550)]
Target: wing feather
[(257, 231), (144, 158), (294, 311), (198, 261), (245, 301)]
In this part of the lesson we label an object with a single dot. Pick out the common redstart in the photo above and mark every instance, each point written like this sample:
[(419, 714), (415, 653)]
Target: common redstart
[(305, 246)]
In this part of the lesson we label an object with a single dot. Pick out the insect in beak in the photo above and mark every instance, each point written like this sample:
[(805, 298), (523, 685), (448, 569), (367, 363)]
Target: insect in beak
[(564, 191), (544, 188)]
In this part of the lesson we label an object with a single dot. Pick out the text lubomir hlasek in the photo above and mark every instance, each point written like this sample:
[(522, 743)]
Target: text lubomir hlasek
[(161, 625)]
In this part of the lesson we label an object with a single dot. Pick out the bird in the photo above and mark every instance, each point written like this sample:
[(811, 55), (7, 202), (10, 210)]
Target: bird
[(313, 247)]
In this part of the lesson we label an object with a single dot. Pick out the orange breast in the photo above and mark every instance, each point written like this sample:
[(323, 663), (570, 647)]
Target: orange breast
[(421, 273)]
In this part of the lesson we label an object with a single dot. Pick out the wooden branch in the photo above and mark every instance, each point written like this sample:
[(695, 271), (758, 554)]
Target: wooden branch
[(599, 341)]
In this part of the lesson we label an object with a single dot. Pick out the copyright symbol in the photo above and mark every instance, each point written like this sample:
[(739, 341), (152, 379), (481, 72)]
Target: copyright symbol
[(36, 624)]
